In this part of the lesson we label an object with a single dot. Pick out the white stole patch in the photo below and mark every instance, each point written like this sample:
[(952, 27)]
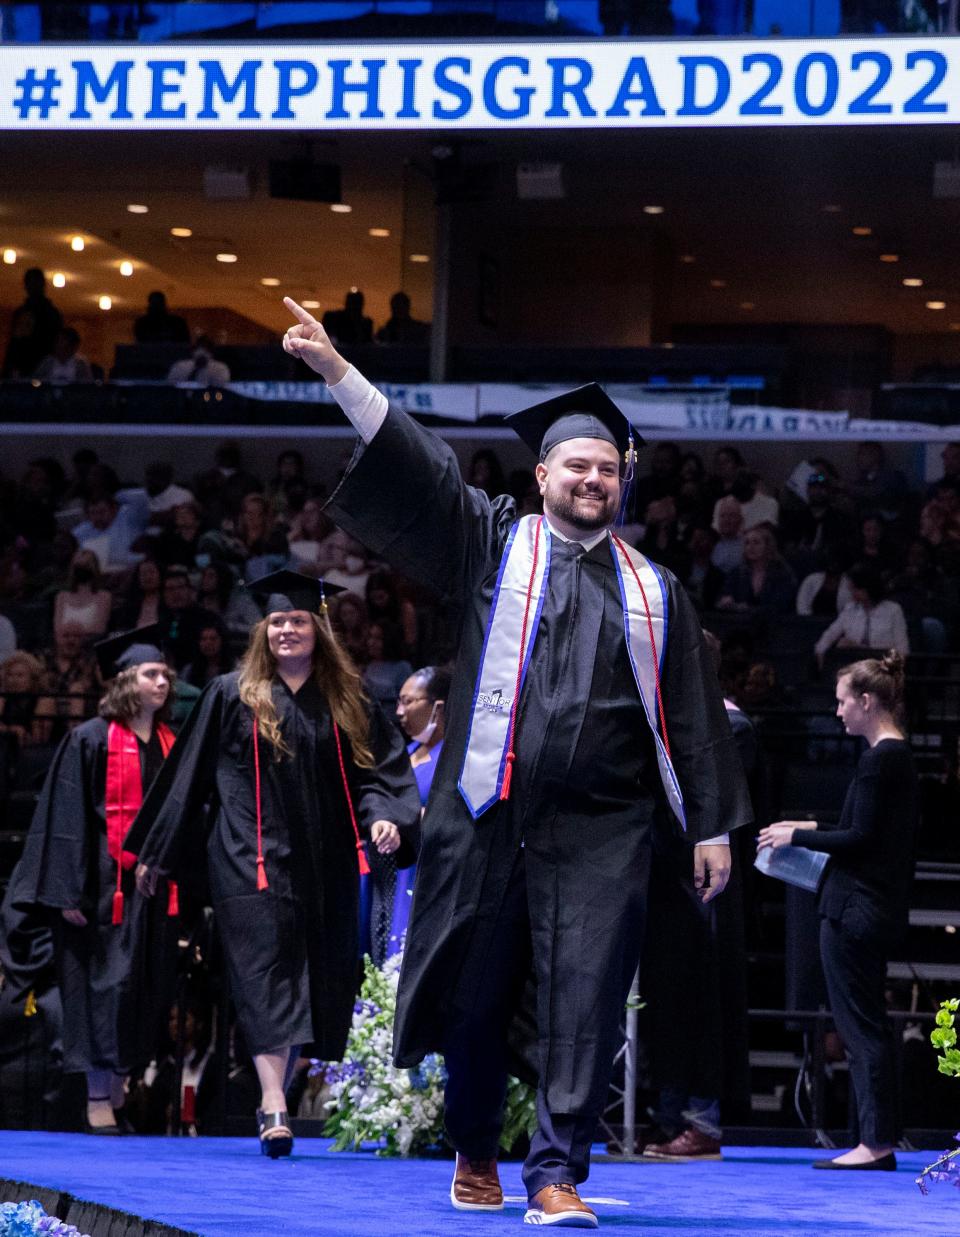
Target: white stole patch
[(644, 599)]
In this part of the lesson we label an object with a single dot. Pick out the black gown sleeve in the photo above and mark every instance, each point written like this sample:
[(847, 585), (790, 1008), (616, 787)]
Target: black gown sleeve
[(702, 745), (404, 498), (863, 825), (53, 867), (388, 790), (182, 788)]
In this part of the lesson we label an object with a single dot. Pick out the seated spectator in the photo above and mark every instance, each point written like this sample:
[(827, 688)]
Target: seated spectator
[(811, 529), (221, 489), (728, 466), (824, 594), (869, 621), (158, 325), (288, 481), (71, 681), (703, 581), (661, 540), (348, 325), (522, 487), (760, 689), (950, 458), (386, 671), (213, 654), (65, 364), (663, 480), (401, 327), (756, 502), (38, 498), (34, 328), (216, 586), (141, 603), (763, 581), (928, 600), (486, 473), (181, 619), (163, 495), (348, 615), (385, 603), (201, 369), (113, 525), (307, 537), (728, 523), (16, 604), (262, 540), (181, 543), (85, 603), (153, 1102), (21, 686), (350, 568), (876, 486), (8, 638)]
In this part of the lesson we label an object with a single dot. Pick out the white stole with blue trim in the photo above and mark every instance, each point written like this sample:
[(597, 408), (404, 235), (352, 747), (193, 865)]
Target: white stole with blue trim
[(644, 599)]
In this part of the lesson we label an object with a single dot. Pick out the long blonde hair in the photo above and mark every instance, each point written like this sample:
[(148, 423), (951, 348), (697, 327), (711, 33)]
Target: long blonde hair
[(333, 672)]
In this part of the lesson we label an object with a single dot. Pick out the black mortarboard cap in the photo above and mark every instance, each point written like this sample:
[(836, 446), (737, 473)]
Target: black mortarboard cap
[(587, 412), (291, 590), (129, 648)]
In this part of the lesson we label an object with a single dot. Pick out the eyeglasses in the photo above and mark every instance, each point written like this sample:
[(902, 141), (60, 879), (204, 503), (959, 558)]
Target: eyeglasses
[(407, 701)]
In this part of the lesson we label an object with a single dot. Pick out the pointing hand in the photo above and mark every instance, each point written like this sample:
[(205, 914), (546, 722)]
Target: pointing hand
[(308, 340)]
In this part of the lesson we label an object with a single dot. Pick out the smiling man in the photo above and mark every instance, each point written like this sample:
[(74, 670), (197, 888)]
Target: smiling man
[(584, 708)]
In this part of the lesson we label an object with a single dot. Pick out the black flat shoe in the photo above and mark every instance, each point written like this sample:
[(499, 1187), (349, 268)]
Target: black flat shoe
[(279, 1144), (886, 1164), (123, 1121)]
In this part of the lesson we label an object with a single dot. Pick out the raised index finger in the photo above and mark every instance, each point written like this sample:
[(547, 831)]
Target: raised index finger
[(305, 318)]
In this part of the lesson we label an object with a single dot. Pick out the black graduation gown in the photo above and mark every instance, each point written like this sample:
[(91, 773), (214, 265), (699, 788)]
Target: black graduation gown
[(114, 979), (585, 782), (291, 949)]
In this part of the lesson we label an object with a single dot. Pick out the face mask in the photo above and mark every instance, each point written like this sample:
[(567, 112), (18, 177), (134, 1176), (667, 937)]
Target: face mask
[(353, 563), (427, 733)]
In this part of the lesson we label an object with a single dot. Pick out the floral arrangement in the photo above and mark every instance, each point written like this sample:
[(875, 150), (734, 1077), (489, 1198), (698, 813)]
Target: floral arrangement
[(29, 1219), (402, 1110), (944, 1039)]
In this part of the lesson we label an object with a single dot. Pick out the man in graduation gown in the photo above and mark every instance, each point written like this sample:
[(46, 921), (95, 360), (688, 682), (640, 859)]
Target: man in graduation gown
[(113, 951), (583, 707), (284, 844)]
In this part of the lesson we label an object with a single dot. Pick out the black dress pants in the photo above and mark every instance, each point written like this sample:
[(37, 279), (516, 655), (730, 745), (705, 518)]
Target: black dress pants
[(854, 951), (475, 1052)]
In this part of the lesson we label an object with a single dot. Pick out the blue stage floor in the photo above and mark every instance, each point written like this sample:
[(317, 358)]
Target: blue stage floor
[(215, 1186)]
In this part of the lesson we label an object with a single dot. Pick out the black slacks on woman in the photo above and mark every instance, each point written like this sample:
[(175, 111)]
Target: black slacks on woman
[(854, 949)]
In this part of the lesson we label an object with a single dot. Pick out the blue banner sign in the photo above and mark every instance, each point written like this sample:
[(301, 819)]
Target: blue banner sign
[(604, 84)]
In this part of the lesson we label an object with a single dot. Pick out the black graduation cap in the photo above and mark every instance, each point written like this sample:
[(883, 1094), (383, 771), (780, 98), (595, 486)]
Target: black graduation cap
[(129, 648), (291, 590), (587, 412)]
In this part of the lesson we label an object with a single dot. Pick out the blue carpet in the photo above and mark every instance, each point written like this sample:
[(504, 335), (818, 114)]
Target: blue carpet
[(215, 1186)]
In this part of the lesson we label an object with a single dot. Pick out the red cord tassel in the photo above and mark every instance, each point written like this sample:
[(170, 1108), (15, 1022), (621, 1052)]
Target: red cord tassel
[(507, 777), (173, 899), (117, 917), (362, 859), (262, 882)]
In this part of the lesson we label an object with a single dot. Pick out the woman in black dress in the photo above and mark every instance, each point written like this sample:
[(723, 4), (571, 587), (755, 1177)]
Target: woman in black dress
[(864, 896), (297, 768)]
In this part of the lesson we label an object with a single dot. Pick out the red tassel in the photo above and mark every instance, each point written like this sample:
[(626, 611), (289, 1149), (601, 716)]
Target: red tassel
[(117, 907), (362, 858), (173, 899), (262, 882), (507, 777)]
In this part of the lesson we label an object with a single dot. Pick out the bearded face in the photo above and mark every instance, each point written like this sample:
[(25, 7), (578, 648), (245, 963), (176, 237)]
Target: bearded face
[(580, 483)]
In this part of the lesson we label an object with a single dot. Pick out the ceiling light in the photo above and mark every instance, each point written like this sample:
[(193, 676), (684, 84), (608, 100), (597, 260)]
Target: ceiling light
[(270, 281), (340, 208), (77, 244), (687, 259), (862, 231), (653, 210), (913, 283), (226, 257), (936, 304), (833, 208), (126, 268), (106, 302), (718, 283), (59, 280), (950, 929), (379, 231), (419, 257), (955, 326), (310, 304), (9, 256), (135, 209), (889, 257), (181, 231)]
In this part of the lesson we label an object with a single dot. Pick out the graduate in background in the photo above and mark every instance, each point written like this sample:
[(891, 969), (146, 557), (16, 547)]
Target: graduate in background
[(297, 767), (106, 939), (583, 704)]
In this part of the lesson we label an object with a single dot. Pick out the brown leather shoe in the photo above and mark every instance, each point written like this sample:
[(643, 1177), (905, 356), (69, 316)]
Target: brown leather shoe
[(476, 1185), (561, 1206), (686, 1147)]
